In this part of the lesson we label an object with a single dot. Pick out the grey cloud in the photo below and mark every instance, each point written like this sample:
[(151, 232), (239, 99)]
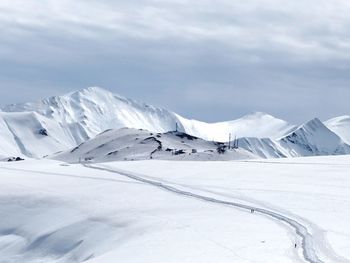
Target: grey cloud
[(203, 60)]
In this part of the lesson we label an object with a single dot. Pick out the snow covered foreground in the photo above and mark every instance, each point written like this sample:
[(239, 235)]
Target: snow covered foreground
[(163, 211)]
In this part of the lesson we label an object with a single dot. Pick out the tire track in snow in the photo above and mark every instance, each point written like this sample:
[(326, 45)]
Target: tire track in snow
[(302, 231)]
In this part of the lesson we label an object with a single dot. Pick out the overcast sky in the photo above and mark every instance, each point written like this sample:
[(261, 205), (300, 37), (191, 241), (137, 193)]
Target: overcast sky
[(209, 60)]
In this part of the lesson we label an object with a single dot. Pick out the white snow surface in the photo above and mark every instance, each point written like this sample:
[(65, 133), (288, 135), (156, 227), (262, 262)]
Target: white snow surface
[(56, 212)]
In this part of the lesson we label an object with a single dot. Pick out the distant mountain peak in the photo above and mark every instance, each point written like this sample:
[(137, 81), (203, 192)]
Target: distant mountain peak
[(91, 89), (314, 121), (311, 127), (73, 118), (258, 115), (314, 124), (314, 138), (94, 89), (92, 92), (344, 119), (341, 126)]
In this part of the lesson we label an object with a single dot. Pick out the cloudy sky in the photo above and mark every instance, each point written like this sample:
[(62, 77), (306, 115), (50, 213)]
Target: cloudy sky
[(209, 60)]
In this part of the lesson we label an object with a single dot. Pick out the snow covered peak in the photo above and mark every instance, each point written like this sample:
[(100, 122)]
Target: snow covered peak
[(75, 117), (314, 138), (94, 89), (313, 125), (258, 124), (93, 93), (261, 125), (86, 94), (258, 115), (345, 119), (95, 110), (341, 126), (92, 110), (83, 114)]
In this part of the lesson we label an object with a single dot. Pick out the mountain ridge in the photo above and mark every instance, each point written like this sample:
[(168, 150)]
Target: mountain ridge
[(314, 138), (59, 123), (341, 126), (77, 107)]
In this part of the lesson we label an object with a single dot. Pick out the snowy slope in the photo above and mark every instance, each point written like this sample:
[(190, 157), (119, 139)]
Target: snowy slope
[(264, 148), (340, 126), (55, 212), (31, 134), (136, 144), (81, 115), (96, 110), (312, 190), (313, 138), (87, 112), (70, 214), (8, 145), (258, 124), (74, 118), (309, 139)]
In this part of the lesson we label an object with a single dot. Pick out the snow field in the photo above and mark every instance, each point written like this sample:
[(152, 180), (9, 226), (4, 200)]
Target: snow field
[(56, 212)]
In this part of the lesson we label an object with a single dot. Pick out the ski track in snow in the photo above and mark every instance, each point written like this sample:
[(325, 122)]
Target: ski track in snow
[(307, 238)]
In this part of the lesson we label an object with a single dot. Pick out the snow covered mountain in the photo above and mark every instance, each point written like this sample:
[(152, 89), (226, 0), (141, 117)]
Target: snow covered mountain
[(263, 148), (138, 144), (90, 111), (340, 126), (257, 124), (309, 139), (314, 138), (32, 135), (73, 118), (87, 112), (60, 123)]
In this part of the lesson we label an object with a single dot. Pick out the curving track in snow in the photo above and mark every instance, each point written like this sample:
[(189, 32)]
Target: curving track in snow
[(307, 239)]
